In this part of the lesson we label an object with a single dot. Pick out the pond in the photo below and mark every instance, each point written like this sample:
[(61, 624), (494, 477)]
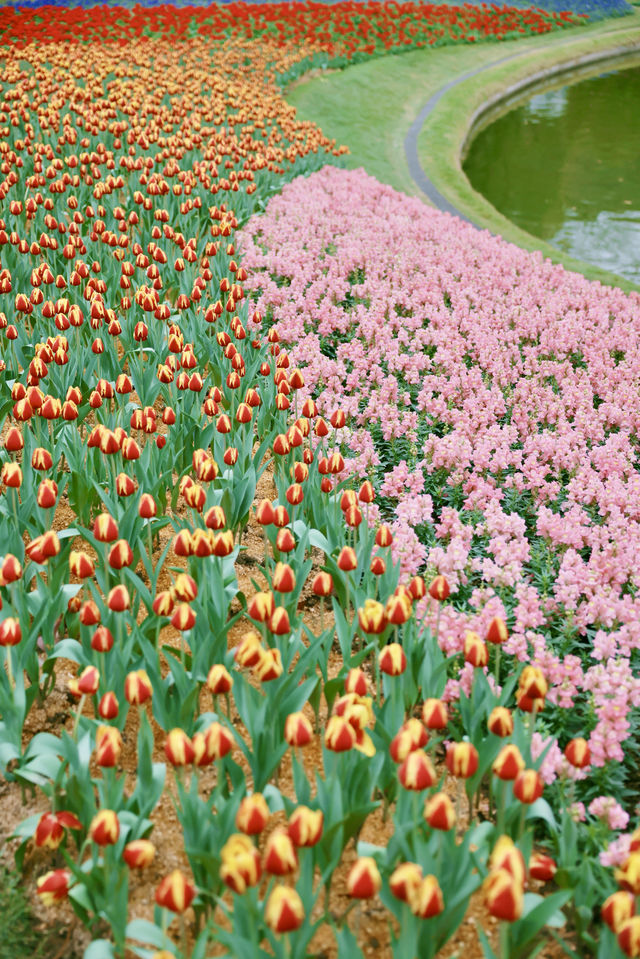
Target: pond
[(564, 165)]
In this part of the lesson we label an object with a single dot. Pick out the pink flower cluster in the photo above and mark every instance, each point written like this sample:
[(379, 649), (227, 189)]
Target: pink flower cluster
[(503, 392)]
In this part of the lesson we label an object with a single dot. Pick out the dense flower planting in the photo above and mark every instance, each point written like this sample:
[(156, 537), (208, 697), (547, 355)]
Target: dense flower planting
[(146, 394)]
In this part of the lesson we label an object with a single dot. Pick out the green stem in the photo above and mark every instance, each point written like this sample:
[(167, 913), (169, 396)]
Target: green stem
[(12, 682), (74, 733)]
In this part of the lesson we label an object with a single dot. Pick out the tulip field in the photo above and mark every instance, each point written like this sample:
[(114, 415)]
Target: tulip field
[(319, 518)]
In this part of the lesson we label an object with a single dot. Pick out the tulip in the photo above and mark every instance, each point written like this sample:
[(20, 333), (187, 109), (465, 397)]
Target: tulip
[(439, 812), (392, 660), (405, 878), (398, 609), (411, 735), (356, 682), (51, 827), (347, 559), (378, 566), (497, 631), (120, 554), (528, 786), (105, 828), (240, 867), (118, 599), (500, 722), (371, 617), (183, 617), (503, 895), (298, 731), (213, 744), (439, 589), (280, 857), (462, 759), (264, 513), (364, 881), (10, 632), (88, 681), (253, 814), (577, 753), (628, 876), (425, 899), (108, 707), (384, 537), (417, 772), (175, 892), (284, 579), (532, 683), (339, 735), (305, 826), (249, 650), (617, 909), (137, 687), (322, 584), (285, 541), (178, 748), (53, 887), (219, 680), (269, 665), (261, 606), (629, 936), (284, 911), (81, 565), (435, 714), (10, 570), (506, 855), (541, 867), (139, 853), (508, 763)]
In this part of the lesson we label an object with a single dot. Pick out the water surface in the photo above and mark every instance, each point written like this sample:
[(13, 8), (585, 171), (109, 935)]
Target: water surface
[(565, 166)]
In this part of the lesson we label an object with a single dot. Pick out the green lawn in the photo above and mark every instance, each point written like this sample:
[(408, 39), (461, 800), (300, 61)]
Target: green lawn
[(370, 107)]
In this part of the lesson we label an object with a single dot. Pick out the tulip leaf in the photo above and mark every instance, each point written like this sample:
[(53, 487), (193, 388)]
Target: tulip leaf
[(347, 943), (141, 930), (100, 949)]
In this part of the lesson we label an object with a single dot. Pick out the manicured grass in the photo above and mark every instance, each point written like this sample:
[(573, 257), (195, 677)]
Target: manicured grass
[(370, 107)]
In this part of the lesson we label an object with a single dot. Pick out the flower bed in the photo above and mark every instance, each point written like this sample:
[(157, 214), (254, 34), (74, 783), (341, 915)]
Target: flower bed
[(150, 417)]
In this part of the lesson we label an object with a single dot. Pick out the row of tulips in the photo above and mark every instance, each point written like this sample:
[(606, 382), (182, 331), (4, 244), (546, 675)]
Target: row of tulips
[(143, 398)]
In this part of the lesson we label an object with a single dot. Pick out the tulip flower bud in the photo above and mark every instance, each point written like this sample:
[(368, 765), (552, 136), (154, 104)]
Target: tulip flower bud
[(532, 683), (298, 731), (425, 899), (577, 753), (13, 442), (53, 887), (371, 618), (417, 588), (278, 622), (10, 632), (528, 786), (175, 892), (10, 570), (305, 826), (399, 608), (405, 878), (253, 814), (462, 759), (183, 617), (500, 722), (240, 863), (285, 541), (216, 742), (322, 584), (384, 537), (628, 876), (178, 748), (105, 828), (280, 856), (249, 650), (105, 528), (411, 735), (339, 735), (118, 599), (137, 687), (503, 895), (497, 631), (417, 772), (81, 565), (439, 589), (347, 559), (108, 707), (439, 812), (542, 867), (364, 881), (47, 494), (508, 763), (219, 680), (475, 651), (269, 665), (284, 911), (139, 853), (506, 855), (392, 660), (284, 579), (435, 714), (88, 681), (108, 746), (629, 936), (617, 908), (356, 682), (147, 508)]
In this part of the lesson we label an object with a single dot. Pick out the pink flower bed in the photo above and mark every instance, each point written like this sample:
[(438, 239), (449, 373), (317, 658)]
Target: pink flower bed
[(493, 399)]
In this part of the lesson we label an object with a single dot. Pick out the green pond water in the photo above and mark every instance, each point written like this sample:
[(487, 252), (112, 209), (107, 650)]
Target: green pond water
[(564, 165)]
